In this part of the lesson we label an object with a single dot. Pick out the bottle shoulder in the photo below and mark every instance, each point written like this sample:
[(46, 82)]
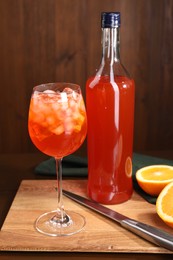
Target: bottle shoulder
[(117, 68), (122, 81), (109, 73)]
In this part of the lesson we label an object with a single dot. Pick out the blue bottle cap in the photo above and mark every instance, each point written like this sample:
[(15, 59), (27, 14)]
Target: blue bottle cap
[(110, 19)]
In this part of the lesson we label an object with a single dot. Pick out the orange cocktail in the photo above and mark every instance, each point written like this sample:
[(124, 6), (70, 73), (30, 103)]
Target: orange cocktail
[(57, 121), (57, 126)]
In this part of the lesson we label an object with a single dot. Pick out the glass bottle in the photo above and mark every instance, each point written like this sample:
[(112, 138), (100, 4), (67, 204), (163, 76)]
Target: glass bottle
[(110, 110)]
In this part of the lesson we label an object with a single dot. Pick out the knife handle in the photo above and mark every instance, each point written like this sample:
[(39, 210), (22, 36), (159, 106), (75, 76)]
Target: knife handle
[(149, 233)]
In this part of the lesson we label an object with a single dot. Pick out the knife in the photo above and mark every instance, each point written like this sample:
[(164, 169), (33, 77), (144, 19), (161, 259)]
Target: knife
[(150, 233)]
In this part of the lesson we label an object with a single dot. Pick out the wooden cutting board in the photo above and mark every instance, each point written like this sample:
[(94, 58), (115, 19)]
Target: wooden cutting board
[(100, 234)]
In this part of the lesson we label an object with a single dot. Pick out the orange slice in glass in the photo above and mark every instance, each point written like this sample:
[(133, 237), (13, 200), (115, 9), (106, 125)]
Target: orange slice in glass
[(128, 167)]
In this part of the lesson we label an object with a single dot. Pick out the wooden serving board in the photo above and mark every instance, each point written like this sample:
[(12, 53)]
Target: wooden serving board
[(100, 234)]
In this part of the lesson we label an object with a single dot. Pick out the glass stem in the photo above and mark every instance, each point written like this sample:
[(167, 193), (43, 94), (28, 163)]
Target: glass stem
[(60, 219), (60, 208)]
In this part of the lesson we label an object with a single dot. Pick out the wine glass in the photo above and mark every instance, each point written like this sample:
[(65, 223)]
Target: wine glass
[(57, 126)]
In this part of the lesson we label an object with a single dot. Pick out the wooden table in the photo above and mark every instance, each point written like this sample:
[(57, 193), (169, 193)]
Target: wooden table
[(16, 167)]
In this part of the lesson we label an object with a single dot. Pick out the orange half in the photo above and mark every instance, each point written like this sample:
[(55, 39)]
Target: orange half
[(164, 204), (152, 179)]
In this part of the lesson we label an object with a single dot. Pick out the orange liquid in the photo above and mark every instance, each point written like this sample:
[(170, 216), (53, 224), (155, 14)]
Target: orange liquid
[(57, 128), (110, 112)]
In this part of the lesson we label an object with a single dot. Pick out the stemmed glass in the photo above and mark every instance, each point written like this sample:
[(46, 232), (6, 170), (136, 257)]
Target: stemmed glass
[(57, 126)]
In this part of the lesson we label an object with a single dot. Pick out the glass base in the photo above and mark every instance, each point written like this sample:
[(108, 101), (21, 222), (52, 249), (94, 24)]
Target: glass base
[(50, 224)]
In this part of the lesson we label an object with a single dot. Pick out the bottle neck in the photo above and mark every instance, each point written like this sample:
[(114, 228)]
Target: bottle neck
[(111, 65), (111, 45)]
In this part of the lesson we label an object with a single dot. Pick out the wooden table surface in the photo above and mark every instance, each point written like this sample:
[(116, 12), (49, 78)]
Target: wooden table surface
[(16, 167)]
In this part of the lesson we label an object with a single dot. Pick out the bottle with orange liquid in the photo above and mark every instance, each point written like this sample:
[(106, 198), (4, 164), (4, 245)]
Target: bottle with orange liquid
[(110, 111)]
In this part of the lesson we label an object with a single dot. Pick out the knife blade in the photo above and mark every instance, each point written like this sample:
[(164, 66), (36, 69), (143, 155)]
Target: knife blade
[(148, 232)]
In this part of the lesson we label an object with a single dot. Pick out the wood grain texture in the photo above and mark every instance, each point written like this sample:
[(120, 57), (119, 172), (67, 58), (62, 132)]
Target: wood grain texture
[(100, 234), (59, 40)]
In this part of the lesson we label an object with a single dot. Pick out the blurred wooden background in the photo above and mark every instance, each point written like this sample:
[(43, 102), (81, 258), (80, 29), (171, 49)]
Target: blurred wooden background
[(59, 40)]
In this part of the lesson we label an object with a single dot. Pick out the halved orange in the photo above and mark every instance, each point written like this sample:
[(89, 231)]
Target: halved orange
[(152, 179), (164, 204)]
